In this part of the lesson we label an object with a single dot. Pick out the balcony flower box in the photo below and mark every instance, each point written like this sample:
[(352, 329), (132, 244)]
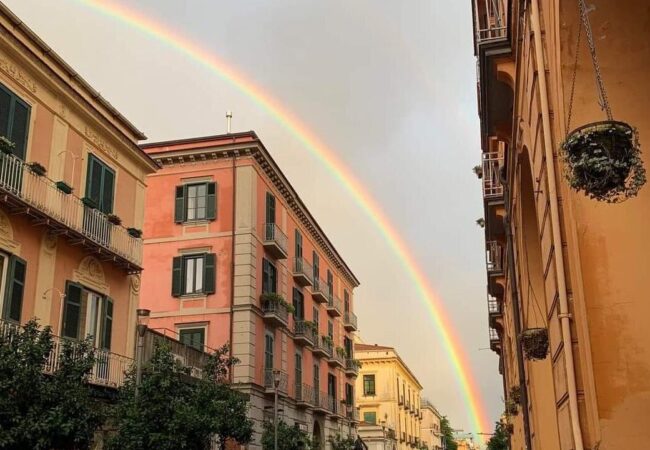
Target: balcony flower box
[(88, 202), (603, 159), (64, 187), (327, 340), (134, 232), (534, 342), (274, 297), (341, 352), (515, 394), (115, 220), (311, 325), (37, 168), (6, 146)]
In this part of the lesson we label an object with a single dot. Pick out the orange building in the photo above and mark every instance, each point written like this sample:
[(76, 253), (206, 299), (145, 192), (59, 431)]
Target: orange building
[(568, 275), (233, 255), (70, 171)]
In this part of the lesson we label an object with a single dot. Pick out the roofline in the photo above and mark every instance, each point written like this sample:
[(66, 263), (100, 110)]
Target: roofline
[(396, 357), (49, 52), (256, 140)]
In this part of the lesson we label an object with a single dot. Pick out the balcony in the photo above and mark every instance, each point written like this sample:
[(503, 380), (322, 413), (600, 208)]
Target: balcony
[(304, 395), (319, 291), (275, 241), (305, 333), (321, 404), (352, 413), (193, 358), (490, 21), (492, 187), (352, 367), (303, 272), (494, 257), (333, 306), (269, 385), (494, 310), (322, 347), (337, 358), (350, 321), (275, 310), (495, 340), (66, 215), (332, 407)]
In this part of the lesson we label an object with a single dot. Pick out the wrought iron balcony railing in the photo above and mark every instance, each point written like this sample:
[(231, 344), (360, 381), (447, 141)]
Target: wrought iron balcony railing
[(322, 347), (303, 272), (304, 394), (319, 291), (276, 311), (494, 257), (350, 321), (334, 305), (305, 333), (492, 187), (352, 367), (275, 241), (39, 197), (490, 20), (269, 381)]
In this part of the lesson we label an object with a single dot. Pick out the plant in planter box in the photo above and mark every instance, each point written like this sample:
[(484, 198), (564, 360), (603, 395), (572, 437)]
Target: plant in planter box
[(534, 342), (115, 220), (37, 168), (6, 146), (134, 232), (327, 340), (603, 159), (511, 408), (341, 352), (515, 394), (89, 202), (311, 326), (478, 170), (64, 187), (273, 297)]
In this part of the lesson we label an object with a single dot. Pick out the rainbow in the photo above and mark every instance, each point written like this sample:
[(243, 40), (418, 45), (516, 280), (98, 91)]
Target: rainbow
[(476, 410)]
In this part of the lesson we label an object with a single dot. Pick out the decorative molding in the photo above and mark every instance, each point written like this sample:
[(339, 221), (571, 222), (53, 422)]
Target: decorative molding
[(18, 75), (100, 143), (135, 283), (91, 274), (7, 241), (49, 241)]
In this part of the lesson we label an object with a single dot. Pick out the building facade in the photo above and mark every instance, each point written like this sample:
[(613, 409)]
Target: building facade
[(234, 256), (567, 274), (388, 394), (430, 426), (72, 186)]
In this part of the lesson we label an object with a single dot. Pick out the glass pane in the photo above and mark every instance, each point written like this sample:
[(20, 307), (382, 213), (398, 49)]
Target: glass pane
[(19, 129), (198, 286), (200, 191), (200, 213), (189, 276), (5, 104)]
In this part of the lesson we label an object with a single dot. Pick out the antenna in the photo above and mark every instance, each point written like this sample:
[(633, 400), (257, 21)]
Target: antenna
[(228, 120)]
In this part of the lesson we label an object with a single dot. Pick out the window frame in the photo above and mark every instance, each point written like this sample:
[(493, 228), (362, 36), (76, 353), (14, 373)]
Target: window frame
[(181, 202), (373, 414), (103, 334), (13, 100), (369, 381), (269, 275), (179, 274), (105, 168), (193, 329)]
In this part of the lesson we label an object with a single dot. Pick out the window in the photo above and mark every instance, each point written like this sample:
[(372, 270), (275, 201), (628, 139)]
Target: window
[(347, 344), (194, 274), (270, 208), (314, 257), (298, 249), (316, 379), (100, 185), (14, 120), (12, 283), (346, 300), (349, 394), (87, 313), (330, 283), (298, 369), (298, 305), (368, 385), (331, 387), (269, 277), (194, 337), (268, 351), (370, 417), (196, 201), (330, 329), (315, 317)]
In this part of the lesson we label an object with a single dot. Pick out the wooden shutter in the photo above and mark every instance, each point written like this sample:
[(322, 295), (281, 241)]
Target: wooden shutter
[(179, 204), (107, 324), (211, 211), (5, 106), (19, 126), (108, 190), (210, 273), (270, 208), (177, 276), (72, 310), (94, 181), (15, 288)]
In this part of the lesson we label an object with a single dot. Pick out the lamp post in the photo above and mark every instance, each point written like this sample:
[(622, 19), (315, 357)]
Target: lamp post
[(276, 384), (383, 432), (140, 330)]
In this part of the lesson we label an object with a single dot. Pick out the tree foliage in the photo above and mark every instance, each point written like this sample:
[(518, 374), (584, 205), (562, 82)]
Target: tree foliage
[(45, 410), (289, 437), (172, 411), (499, 440), (447, 434), (340, 442)]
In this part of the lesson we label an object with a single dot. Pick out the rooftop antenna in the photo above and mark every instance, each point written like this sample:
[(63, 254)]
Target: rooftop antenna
[(228, 120)]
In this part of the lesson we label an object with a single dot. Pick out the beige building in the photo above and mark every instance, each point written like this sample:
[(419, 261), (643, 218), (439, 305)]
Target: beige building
[(430, 426), (568, 273), (388, 395)]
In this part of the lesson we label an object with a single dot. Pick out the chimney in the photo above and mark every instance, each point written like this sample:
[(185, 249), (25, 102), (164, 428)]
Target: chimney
[(228, 121)]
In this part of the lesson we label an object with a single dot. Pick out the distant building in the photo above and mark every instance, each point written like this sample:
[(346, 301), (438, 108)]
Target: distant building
[(430, 426), (234, 255), (388, 396)]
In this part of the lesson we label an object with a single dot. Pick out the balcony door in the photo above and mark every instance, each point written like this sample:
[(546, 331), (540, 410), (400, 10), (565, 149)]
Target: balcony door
[(100, 188), (14, 126)]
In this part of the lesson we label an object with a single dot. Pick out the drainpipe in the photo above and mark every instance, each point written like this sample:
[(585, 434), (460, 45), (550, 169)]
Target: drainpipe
[(564, 314), (231, 374)]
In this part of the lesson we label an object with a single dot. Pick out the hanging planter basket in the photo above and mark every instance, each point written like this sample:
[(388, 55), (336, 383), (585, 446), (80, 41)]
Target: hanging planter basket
[(603, 159), (534, 342)]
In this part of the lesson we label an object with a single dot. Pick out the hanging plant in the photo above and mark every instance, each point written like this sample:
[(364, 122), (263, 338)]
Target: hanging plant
[(480, 222), (478, 170), (37, 168), (511, 408), (534, 342), (515, 394), (603, 159), (114, 219)]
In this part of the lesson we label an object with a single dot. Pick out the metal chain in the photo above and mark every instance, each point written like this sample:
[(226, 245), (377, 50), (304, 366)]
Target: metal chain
[(573, 80), (604, 103)]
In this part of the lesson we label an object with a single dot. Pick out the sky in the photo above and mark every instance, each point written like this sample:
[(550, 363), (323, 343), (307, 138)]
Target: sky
[(389, 86)]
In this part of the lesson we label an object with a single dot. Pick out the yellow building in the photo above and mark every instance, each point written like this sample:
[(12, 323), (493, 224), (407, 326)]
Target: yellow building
[(430, 426), (388, 394)]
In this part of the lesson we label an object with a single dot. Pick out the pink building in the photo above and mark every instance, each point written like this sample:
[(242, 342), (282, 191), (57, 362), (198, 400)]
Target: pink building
[(227, 240)]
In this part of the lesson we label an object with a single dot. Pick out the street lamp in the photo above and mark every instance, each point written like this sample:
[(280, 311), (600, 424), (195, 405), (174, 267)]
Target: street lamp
[(276, 384), (140, 330)]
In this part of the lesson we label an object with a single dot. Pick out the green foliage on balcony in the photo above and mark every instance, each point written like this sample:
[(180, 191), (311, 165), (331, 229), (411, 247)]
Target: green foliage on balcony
[(289, 437), (275, 298)]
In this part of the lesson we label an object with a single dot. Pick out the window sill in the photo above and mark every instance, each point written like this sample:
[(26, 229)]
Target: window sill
[(192, 223), (197, 296)]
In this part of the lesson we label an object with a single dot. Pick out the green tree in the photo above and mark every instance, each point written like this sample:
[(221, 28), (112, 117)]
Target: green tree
[(500, 438), (340, 442), (447, 434), (289, 437), (45, 410)]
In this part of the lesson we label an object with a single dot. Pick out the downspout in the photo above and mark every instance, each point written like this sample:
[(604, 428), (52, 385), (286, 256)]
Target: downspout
[(564, 314), (232, 259)]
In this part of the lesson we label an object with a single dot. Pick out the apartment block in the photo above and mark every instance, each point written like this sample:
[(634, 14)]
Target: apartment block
[(567, 273), (233, 255), (430, 432)]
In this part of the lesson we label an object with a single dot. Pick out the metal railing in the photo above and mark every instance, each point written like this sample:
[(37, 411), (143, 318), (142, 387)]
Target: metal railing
[(494, 335), (319, 288), (331, 404), (492, 186), (491, 20), (493, 305), (323, 345), (350, 319), (302, 268), (269, 380), (334, 304), (321, 400), (273, 233), (275, 307), (494, 257), (304, 393), (41, 193), (305, 329), (352, 365), (338, 357), (189, 356)]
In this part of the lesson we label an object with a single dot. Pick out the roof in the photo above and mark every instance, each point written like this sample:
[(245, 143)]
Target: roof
[(51, 58), (370, 347), (156, 150), (358, 347)]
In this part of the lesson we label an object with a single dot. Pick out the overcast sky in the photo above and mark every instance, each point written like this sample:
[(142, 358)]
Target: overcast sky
[(388, 85)]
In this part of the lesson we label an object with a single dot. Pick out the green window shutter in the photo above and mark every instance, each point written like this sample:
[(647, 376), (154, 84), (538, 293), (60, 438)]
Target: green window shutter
[(19, 126), (72, 310), (5, 106), (270, 208), (179, 204), (15, 288), (94, 180), (108, 190), (211, 211), (107, 324), (177, 276), (210, 273)]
